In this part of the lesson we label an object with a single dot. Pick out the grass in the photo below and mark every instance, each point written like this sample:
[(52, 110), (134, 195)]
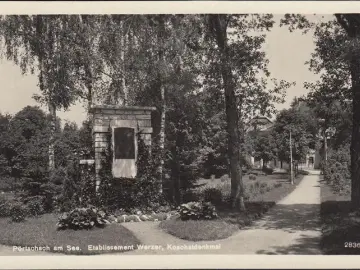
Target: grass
[(273, 187), (339, 224), (42, 231), (231, 220), (198, 230)]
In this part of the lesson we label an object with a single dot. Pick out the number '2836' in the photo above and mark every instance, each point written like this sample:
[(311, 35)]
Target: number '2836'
[(352, 244)]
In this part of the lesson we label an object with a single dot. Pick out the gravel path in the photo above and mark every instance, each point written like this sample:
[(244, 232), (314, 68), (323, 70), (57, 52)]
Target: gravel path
[(291, 227)]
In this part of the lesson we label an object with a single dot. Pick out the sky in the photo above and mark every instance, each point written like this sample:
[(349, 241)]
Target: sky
[(287, 53)]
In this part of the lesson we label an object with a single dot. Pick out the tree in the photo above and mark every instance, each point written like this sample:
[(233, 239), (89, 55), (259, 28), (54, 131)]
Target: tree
[(264, 146), (237, 58), (304, 129), (24, 142), (37, 44), (5, 136), (336, 58)]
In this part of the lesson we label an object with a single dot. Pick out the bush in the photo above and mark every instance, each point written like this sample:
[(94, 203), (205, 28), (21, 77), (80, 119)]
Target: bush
[(337, 170), (208, 211), (224, 178), (225, 189), (191, 196), (82, 218), (268, 170), (5, 206), (302, 172), (213, 195), (18, 212), (252, 177), (197, 210), (35, 205), (263, 188), (131, 193), (8, 183), (277, 185), (253, 172)]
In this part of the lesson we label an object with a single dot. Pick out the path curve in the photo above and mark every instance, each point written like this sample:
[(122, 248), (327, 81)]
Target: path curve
[(290, 227)]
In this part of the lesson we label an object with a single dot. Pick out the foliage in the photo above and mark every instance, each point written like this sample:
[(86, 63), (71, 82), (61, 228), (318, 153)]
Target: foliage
[(82, 218), (202, 66), (35, 205), (208, 211), (336, 60), (191, 196), (213, 195), (18, 212), (303, 172), (197, 210), (143, 191), (303, 127), (337, 170), (5, 206), (264, 146), (24, 144), (268, 170), (256, 188)]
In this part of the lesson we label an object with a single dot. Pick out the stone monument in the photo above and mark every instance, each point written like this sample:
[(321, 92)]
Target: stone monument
[(124, 123)]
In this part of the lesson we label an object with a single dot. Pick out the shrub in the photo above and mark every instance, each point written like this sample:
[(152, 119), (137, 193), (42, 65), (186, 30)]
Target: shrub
[(213, 195), (224, 178), (5, 206), (131, 193), (252, 177), (277, 185), (302, 172), (225, 189), (82, 218), (197, 210), (208, 211), (190, 211), (35, 205), (18, 212), (337, 170), (191, 196), (268, 170), (253, 172)]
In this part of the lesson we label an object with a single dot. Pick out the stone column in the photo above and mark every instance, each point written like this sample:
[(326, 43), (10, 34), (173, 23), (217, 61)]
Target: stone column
[(101, 144)]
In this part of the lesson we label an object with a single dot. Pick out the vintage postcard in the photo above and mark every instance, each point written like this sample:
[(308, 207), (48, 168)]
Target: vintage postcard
[(179, 134)]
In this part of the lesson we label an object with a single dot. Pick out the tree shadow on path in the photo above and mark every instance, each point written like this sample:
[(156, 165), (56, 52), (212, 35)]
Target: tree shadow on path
[(305, 245), (291, 218)]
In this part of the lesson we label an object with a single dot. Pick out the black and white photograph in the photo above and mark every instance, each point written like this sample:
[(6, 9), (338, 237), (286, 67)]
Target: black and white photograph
[(180, 134)]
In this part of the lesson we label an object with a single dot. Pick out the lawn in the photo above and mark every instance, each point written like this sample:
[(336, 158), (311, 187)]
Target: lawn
[(340, 226), (276, 187), (42, 231), (197, 230), (272, 188)]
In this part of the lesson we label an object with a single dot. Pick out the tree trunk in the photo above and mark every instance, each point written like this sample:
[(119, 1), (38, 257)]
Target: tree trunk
[(52, 111), (351, 23), (355, 139), (161, 41), (89, 86), (219, 25), (122, 55)]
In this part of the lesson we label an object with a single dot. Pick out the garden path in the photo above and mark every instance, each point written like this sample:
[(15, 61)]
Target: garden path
[(290, 227)]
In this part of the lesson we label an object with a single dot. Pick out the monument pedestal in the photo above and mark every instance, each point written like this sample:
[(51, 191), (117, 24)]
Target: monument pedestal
[(124, 124)]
